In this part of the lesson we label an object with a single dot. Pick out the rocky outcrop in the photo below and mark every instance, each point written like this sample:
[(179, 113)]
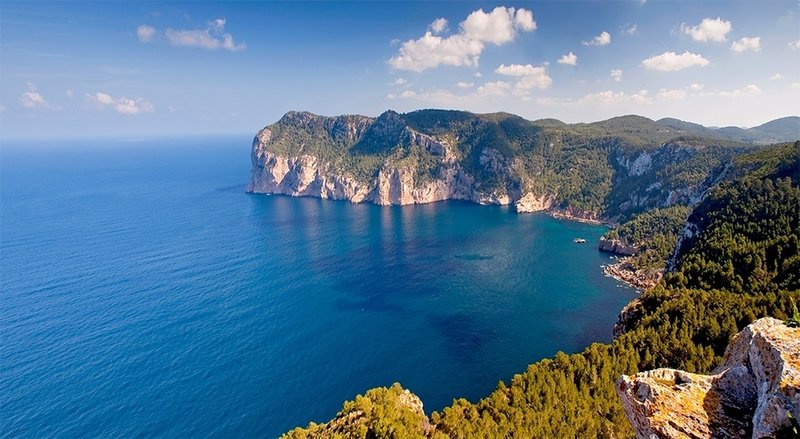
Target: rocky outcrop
[(531, 203), (640, 279), (755, 392), (381, 412), (280, 165), (617, 247)]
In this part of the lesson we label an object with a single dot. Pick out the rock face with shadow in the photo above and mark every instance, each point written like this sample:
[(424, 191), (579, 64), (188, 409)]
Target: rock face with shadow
[(755, 392)]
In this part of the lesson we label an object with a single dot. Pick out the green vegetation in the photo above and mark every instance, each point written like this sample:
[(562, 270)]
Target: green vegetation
[(655, 232), (381, 413), (585, 166), (740, 265)]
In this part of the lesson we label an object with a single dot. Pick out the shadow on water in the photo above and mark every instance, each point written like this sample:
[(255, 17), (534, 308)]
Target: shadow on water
[(235, 189), (463, 336)]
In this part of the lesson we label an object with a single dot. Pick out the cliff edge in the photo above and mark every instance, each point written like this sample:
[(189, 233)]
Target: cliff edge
[(755, 392)]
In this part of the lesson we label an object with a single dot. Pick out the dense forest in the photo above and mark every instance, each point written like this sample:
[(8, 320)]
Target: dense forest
[(739, 263)]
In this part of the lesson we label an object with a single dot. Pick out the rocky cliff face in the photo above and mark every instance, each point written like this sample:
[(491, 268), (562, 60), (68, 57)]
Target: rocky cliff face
[(617, 247), (584, 171), (754, 393), (397, 179)]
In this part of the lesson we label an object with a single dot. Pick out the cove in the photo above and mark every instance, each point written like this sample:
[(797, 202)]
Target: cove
[(145, 293)]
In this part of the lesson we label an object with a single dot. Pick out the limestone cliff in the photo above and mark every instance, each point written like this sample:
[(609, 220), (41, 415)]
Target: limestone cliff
[(617, 247), (755, 392), (607, 170), (395, 178)]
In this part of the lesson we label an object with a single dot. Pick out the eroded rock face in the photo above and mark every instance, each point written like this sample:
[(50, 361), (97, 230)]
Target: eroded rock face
[(532, 203), (751, 394), (617, 247)]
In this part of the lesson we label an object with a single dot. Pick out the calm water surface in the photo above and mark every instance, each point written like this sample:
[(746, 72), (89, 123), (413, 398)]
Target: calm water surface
[(143, 293)]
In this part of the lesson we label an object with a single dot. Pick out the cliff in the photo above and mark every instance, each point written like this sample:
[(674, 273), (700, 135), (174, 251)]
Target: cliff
[(608, 169), (755, 392)]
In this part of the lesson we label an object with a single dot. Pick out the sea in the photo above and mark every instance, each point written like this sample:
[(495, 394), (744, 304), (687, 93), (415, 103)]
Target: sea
[(143, 292)]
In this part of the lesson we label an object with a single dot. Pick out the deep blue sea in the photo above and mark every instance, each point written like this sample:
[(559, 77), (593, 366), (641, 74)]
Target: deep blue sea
[(144, 293)]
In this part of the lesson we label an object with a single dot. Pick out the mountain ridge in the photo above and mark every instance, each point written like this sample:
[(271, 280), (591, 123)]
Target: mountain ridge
[(606, 170)]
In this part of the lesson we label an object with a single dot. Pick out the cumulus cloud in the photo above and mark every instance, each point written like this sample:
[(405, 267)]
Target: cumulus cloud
[(528, 77), (747, 43), (32, 98), (600, 40), (477, 75), (776, 76), (670, 61), (616, 75), (749, 90), (496, 88), (463, 84), (710, 29), (670, 95), (399, 82), (70, 93), (569, 59), (609, 97), (121, 105), (464, 48), (696, 86), (213, 37), (794, 44), (438, 26), (145, 33)]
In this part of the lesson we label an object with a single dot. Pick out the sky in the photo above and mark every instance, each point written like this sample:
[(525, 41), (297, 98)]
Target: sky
[(108, 69)]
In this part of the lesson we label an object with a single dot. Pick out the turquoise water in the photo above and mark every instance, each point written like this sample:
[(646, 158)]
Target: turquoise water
[(145, 294)]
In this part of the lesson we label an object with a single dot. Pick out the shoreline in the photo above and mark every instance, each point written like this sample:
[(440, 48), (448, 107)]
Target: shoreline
[(622, 271)]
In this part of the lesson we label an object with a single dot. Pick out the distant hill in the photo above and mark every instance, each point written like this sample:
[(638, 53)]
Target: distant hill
[(610, 169), (785, 129)]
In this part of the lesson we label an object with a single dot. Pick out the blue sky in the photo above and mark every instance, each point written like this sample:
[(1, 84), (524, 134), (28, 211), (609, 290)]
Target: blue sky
[(100, 69)]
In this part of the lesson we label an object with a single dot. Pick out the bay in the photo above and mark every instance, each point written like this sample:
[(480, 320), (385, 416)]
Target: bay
[(144, 293)]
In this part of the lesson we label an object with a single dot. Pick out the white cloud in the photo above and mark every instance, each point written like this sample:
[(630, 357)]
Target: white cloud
[(747, 43), (696, 86), (708, 30), (497, 88), (438, 26), (477, 75), (569, 59), (749, 90), (462, 84), (32, 98), (70, 93), (121, 105), (399, 82), (630, 30), (529, 77), (670, 61), (795, 86), (616, 75), (671, 95), (609, 97), (212, 37), (524, 20), (794, 44), (146, 33), (600, 40), (776, 76), (499, 26)]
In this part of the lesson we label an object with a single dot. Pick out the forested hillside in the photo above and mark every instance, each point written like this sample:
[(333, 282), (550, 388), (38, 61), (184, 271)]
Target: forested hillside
[(612, 170)]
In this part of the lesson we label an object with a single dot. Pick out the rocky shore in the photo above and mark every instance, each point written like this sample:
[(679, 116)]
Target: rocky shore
[(623, 271)]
